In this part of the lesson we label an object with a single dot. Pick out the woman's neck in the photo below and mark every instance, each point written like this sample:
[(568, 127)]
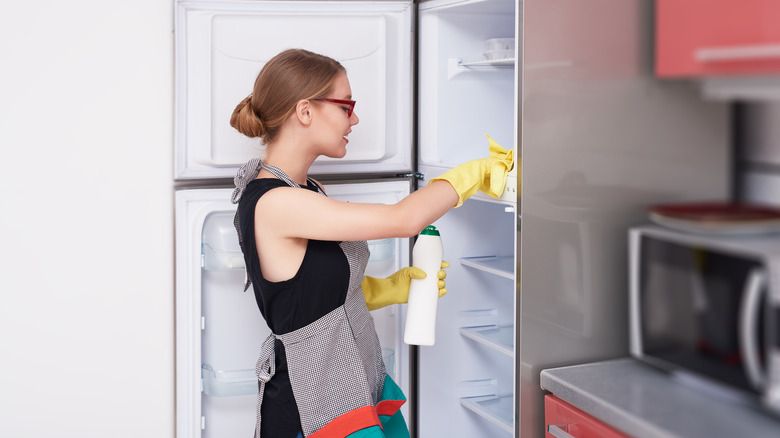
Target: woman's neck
[(296, 166)]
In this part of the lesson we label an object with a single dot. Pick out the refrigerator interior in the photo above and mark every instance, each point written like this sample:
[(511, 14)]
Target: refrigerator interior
[(219, 327), (466, 379)]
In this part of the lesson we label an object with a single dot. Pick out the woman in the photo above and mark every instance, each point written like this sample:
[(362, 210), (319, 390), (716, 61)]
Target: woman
[(321, 372)]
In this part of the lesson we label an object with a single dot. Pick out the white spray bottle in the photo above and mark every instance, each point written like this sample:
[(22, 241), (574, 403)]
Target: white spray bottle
[(424, 293)]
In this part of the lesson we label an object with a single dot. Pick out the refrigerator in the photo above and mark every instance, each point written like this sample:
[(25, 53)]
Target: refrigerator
[(430, 80)]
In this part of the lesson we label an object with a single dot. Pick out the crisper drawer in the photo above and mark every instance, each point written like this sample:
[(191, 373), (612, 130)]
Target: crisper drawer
[(562, 420), (717, 37)]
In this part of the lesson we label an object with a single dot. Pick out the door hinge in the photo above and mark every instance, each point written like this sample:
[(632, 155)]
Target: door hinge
[(415, 175)]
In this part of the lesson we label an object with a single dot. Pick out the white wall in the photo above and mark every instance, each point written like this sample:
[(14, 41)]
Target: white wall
[(86, 317)]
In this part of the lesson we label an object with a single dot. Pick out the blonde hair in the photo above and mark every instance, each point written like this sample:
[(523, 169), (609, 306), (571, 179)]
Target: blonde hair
[(287, 78)]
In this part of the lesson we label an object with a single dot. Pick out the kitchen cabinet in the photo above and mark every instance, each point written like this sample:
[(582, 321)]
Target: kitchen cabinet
[(563, 420), (717, 37)]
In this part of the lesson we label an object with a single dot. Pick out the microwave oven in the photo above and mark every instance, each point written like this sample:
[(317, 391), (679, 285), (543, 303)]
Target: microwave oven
[(706, 308)]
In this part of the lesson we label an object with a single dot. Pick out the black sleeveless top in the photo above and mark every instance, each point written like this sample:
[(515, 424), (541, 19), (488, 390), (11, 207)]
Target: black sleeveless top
[(319, 286)]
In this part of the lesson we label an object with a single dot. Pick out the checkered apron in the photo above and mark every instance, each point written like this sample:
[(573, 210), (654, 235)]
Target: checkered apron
[(335, 363)]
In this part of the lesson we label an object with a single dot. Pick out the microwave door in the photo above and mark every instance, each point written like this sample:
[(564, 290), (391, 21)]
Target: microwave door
[(691, 303), (748, 326)]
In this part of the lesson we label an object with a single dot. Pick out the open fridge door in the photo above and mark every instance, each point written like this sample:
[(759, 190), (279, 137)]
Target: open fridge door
[(468, 88), (219, 329), (221, 46)]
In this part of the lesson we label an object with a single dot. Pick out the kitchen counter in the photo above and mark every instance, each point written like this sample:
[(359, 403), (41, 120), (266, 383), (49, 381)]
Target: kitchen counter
[(647, 403)]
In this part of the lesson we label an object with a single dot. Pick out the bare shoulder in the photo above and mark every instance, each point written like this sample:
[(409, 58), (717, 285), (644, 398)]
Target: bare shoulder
[(285, 205)]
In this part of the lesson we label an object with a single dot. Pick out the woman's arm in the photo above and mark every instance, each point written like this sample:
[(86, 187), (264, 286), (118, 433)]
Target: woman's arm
[(295, 213)]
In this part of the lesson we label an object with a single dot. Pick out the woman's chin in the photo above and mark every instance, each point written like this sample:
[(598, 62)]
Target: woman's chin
[(339, 154)]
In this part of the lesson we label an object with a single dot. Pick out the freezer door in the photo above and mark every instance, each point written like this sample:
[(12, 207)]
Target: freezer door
[(221, 47), (219, 328)]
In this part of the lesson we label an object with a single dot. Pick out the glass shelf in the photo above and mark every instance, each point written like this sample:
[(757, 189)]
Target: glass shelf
[(226, 383), (497, 410), (498, 338), (503, 266)]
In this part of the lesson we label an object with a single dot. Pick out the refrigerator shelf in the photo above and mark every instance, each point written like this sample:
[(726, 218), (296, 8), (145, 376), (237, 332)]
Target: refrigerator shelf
[(456, 66), (497, 410), (509, 197), (226, 383), (490, 63), (499, 338), (503, 266)]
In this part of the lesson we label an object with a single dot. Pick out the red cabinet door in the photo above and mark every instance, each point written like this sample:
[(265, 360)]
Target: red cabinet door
[(562, 420), (717, 37)]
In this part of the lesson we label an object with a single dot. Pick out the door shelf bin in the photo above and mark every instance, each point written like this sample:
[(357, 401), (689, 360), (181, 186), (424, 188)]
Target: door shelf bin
[(219, 247), (503, 266), (497, 410), (221, 260), (499, 338), (225, 383)]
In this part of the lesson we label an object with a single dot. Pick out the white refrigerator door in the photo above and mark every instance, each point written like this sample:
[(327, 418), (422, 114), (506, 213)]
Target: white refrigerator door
[(469, 87), (222, 45), (219, 328)]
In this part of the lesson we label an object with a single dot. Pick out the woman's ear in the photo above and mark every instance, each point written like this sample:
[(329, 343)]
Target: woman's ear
[(303, 111)]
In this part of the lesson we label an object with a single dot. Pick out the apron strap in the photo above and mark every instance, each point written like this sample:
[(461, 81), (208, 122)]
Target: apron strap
[(265, 369), (279, 173)]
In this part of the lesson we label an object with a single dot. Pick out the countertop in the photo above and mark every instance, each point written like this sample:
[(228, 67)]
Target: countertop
[(647, 403)]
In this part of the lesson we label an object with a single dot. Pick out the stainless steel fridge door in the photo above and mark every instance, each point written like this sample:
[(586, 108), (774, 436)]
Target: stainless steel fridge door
[(602, 138)]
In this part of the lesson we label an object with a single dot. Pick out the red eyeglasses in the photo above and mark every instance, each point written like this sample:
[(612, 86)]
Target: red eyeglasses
[(349, 103)]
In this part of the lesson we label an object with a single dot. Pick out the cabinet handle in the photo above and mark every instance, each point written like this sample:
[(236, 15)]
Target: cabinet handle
[(558, 431), (756, 52)]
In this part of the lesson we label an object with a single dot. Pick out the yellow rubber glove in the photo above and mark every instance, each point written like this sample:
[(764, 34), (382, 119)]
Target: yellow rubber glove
[(381, 292), (486, 174)]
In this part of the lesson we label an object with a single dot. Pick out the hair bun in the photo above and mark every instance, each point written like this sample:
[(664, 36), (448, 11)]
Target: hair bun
[(246, 120)]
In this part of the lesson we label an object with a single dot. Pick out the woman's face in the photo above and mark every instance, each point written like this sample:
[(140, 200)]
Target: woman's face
[(332, 122)]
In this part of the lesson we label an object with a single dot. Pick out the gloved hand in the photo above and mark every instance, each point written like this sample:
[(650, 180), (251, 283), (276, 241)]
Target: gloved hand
[(381, 292), (486, 174)]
